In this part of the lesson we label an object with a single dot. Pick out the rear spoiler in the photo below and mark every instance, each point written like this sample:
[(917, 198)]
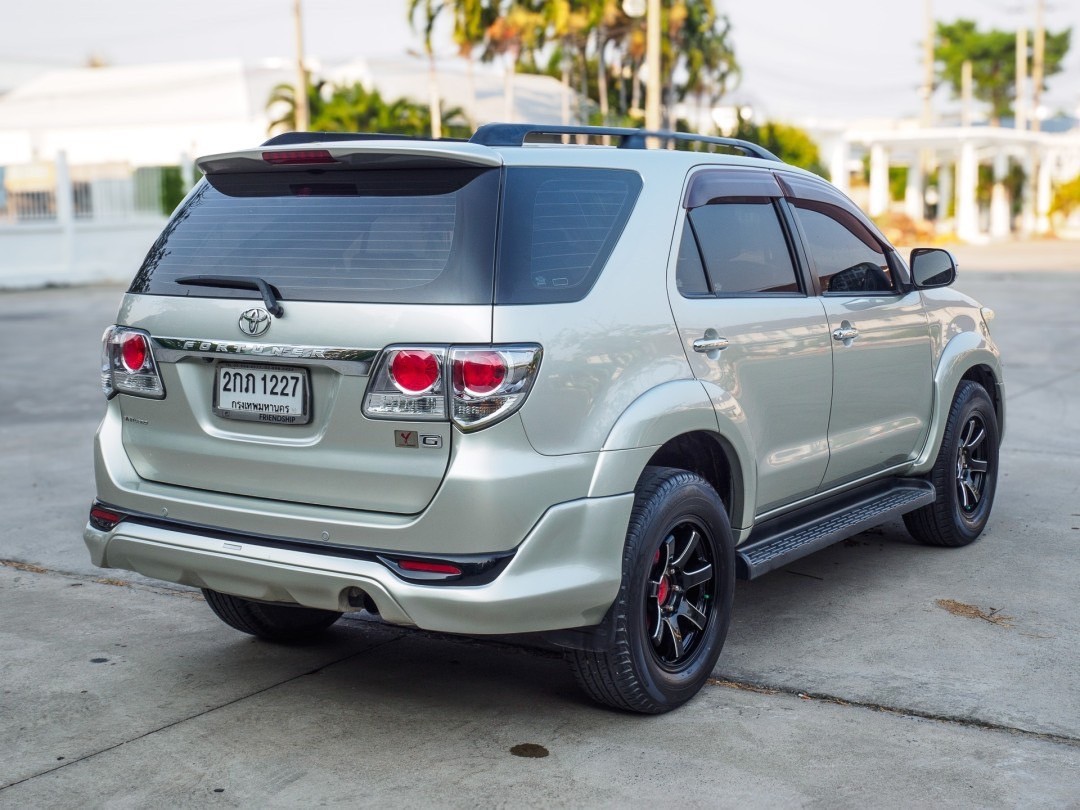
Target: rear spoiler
[(355, 152)]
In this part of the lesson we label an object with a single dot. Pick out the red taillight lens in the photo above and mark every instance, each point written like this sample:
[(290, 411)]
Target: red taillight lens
[(297, 157), (429, 567), (479, 373), (104, 519), (414, 371), (133, 351)]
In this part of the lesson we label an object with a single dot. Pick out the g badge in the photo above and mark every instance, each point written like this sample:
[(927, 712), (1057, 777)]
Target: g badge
[(410, 438)]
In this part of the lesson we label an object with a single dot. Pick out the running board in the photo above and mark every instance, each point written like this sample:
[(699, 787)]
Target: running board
[(781, 540)]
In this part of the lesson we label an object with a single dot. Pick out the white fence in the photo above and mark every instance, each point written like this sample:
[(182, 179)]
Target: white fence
[(81, 224)]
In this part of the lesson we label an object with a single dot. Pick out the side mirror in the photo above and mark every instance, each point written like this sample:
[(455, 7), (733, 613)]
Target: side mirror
[(932, 267)]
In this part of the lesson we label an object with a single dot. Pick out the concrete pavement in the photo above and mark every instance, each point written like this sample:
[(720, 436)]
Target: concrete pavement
[(376, 714)]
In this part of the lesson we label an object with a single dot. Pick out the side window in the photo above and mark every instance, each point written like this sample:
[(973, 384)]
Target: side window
[(849, 259), (744, 247), (689, 271)]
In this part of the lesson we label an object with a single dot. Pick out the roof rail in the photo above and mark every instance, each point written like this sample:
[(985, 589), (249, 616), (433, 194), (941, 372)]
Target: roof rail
[(291, 138), (515, 135)]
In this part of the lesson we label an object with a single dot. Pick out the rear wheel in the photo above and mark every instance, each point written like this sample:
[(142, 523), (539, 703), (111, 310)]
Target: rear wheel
[(271, 622), (672, 612), (965, 473)]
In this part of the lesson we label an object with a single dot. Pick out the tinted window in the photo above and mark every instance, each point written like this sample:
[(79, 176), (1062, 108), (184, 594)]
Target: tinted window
[(849, 259), (375, 236), (689, 271), (558, 228), (744, 248)]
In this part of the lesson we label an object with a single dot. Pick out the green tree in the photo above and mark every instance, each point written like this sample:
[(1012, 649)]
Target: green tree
[(354, 108), (282, 103), (993, 61), (789, 143)]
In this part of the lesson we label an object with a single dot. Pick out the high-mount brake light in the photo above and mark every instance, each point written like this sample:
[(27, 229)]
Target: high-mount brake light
[(414, 371), (298, 157), (128, 365)]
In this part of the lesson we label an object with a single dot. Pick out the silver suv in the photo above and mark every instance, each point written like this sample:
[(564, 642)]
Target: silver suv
[(531, 383)]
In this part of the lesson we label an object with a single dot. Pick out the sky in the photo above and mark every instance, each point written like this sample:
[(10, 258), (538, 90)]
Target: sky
[(802, 60)]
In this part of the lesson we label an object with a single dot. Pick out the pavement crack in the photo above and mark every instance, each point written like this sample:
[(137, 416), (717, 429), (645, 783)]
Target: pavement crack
[(203, 713), (824, 697)]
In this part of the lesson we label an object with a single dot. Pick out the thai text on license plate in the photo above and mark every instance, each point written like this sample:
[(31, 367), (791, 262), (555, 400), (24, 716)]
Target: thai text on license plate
[(259, 393)]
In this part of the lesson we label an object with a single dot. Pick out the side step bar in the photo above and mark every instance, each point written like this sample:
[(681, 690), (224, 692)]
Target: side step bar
[(777, 542)]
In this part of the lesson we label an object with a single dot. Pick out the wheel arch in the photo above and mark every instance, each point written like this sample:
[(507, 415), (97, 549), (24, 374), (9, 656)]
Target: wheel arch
[(676, 425), (968, 356)]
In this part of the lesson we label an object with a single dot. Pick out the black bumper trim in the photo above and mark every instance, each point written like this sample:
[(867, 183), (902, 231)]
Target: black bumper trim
[(476, 569)]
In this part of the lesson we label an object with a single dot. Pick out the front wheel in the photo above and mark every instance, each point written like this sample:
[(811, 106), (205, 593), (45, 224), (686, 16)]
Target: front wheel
[(672, 612), (965, 473), (272, 622)]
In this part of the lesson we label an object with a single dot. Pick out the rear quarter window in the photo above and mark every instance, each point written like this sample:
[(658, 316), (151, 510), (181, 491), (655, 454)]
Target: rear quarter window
[(559, 226)]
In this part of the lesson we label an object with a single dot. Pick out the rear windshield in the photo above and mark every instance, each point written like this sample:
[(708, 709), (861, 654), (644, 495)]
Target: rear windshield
[(396, 236)]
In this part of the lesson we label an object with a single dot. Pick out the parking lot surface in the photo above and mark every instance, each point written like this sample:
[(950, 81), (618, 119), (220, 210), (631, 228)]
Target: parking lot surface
[(875, 672)]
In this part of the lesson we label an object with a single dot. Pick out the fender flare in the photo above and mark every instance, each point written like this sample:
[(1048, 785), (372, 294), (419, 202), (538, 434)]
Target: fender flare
[(669, 410), (962, 353)]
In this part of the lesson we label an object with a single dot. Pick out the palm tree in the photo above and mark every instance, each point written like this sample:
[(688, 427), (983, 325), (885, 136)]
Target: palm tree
[(428, 11), (519, 29), (283, 99)]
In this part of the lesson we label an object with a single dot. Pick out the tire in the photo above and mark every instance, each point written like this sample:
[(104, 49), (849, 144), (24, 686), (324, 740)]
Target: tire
[(669, 621), (271, 622), (965, 473)]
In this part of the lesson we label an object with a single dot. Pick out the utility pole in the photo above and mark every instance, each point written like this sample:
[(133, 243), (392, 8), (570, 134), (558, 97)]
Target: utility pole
[(1037, 65), (1020, 107), (965, 93), (928, 65), (652, 57), (300, 91)]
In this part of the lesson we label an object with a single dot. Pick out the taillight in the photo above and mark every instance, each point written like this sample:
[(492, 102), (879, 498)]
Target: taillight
[(415, 371), (490, 382), (408, 384), (479, 373), (127, 364), (475, 386)]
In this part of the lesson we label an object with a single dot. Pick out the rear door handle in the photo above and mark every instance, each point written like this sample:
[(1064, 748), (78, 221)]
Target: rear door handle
[(705, 345), (845, 333)]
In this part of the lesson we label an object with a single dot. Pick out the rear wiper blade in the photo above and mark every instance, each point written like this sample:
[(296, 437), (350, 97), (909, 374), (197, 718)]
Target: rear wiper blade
[(270, 295)]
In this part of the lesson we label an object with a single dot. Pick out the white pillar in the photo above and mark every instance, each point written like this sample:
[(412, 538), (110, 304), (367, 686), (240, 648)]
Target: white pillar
[(1027, 204), (838, 164), (967, 207), (914, 202), (65, 216), (1000, 206), (1043, 196), (945, 191), (879, 180)]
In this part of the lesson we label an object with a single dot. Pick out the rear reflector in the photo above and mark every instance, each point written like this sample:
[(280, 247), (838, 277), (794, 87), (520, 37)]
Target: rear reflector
[(429, 567), (298, 157), (103, 519)]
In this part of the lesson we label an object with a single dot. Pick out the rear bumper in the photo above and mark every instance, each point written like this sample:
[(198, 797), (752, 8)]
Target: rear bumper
[(564, 574)]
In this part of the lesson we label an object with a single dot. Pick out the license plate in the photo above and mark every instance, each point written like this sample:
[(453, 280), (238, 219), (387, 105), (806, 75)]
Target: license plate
[(258, 393)]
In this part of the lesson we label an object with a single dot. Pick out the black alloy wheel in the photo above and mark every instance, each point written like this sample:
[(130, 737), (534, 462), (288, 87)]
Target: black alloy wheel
[(679, 596), (964, 474), (671, 615)]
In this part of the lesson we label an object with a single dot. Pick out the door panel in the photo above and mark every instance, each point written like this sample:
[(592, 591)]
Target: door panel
[(882, 389), (759, 339)]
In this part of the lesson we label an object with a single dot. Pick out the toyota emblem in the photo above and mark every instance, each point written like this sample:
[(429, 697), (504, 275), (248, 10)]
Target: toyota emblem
[(254, 322)]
